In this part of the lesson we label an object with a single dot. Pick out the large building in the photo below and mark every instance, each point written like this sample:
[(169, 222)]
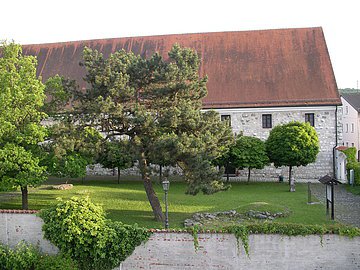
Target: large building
[(257, 79), (351, 120)]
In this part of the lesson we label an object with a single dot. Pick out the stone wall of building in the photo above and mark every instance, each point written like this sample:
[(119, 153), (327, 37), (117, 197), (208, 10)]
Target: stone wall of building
[(248, 121)]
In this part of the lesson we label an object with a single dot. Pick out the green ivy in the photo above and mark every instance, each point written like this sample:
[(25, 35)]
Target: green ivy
[(194, 231), (242, 232), (80, 230)]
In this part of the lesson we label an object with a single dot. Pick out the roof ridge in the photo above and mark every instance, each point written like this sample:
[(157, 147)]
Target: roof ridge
[(178, 34)]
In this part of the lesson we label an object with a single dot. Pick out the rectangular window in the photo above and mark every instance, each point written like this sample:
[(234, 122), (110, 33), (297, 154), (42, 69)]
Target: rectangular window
[(266, 121), (347, 110), (310, 118), (352, 144), (347, 128), (352, 127), (226, 118)]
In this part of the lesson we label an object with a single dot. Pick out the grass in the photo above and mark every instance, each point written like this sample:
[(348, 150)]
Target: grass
[(354, 190), (127, 201)]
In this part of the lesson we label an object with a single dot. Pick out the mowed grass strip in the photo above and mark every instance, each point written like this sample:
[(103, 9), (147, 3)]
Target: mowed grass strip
[(127, 201)]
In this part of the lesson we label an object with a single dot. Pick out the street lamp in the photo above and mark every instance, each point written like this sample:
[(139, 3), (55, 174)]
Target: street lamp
[(166, 186)]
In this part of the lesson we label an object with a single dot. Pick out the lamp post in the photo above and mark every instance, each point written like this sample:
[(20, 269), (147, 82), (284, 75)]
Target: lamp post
[(166, 185)]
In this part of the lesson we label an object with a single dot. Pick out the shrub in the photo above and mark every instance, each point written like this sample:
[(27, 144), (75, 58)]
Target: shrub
[(352, 164), (80, 230), (48, 262), (23, 257)]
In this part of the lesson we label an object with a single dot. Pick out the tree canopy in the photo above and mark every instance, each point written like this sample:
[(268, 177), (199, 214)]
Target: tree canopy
[(249, 152), (156, 104), (21, 98), (292, 144), (116, 154)]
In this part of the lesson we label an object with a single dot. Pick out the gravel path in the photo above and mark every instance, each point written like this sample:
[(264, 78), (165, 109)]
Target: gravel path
[(347, 205)]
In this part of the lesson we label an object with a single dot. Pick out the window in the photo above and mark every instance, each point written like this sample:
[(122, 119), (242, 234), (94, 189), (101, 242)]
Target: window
[(266, 121), (309, 117), (347, 144), (347, 110), (352, 127), (347, 128), (352, 144), (226, 118)]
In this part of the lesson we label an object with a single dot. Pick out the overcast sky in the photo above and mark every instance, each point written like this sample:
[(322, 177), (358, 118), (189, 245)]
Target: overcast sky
[(40, 21)]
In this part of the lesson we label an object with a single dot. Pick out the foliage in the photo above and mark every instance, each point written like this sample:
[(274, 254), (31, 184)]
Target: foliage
[(72, 165), (79, 229), (70, 150), (55, 262), (26, 256), (23, 257), (194, 232), (21, 99), (116, 154), (242, 231), (59, 92), (354, 190), (349, 90), (292, 144), (156, 105), (352, 163), (19, 167), (201, 175), (249, 152)]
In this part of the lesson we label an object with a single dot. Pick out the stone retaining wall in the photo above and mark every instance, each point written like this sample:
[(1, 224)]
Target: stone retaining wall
[(18, 225), (219, 251), (175, 251)]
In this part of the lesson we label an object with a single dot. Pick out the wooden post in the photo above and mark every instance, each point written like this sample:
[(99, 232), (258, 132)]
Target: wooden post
[(332, 201)]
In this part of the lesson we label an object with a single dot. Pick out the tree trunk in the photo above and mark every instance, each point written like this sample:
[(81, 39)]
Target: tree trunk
[(150, 192), (249, 175), (24, 198), (118, 175), (160, 176), (290, 169), (227, 172)]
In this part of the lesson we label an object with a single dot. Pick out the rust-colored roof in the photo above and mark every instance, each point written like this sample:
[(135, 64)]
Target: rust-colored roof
[(285, 67)]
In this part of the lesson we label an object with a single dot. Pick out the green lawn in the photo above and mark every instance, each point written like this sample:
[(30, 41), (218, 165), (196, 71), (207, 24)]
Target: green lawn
[(354, 190), (127, 201)]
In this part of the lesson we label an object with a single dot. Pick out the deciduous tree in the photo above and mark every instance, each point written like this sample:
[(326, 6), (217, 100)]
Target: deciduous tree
[(21, 98), (249, 152), (116, 154), (292, 144)]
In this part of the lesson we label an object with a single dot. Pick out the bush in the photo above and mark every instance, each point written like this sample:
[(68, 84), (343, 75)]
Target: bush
[(49, 262), (80, 230), (28, 257), (352, 164), (23, 257)]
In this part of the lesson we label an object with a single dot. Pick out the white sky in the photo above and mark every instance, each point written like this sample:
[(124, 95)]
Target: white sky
[(44, 21)]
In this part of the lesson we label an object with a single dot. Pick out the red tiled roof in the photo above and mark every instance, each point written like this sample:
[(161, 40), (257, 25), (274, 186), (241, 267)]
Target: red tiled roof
[(285, 67)]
